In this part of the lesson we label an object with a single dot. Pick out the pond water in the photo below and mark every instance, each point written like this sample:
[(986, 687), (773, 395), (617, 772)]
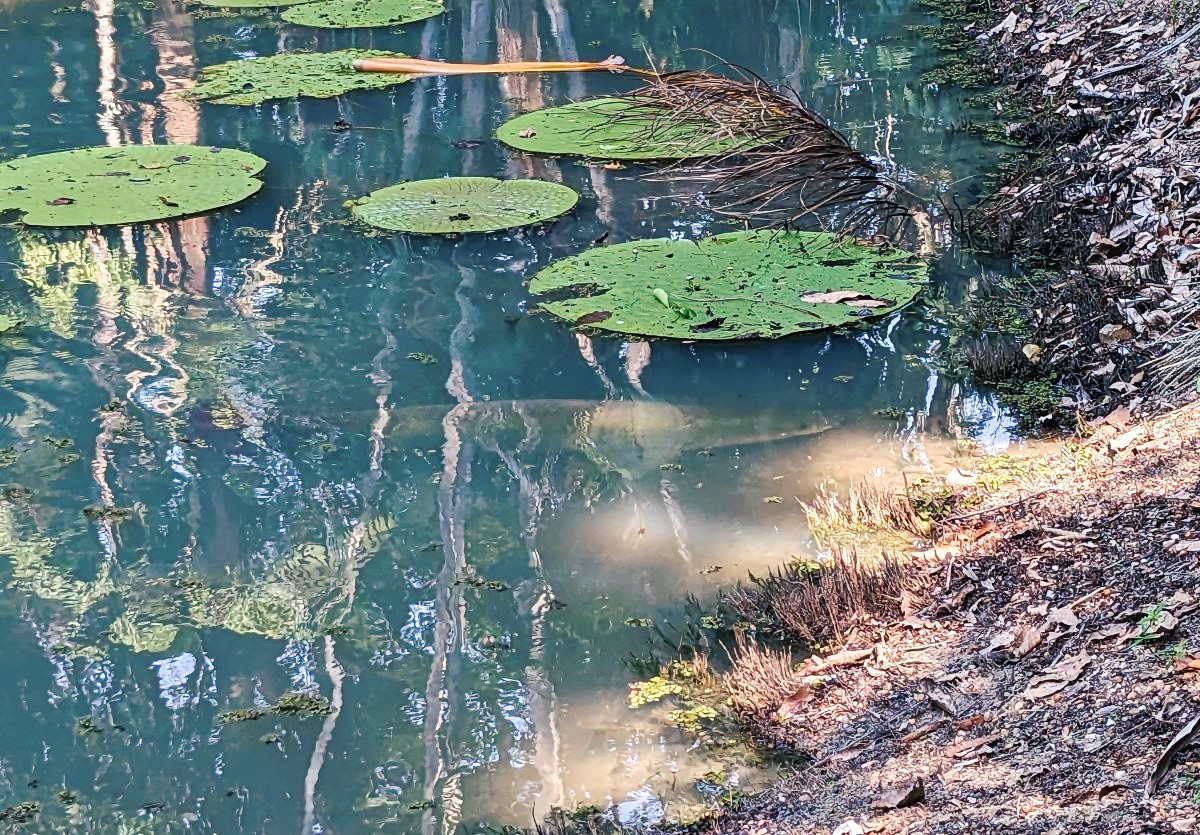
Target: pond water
[(357, 465)]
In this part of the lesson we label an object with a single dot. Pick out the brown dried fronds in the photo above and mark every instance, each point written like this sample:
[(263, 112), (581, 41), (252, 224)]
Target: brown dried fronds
[(584, 821), (819, 605), (760, 679), (866, 508), (787, 164), (1177, 371)]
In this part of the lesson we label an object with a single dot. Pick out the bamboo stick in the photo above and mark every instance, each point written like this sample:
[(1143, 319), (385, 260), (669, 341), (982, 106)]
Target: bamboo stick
[(420, 66)]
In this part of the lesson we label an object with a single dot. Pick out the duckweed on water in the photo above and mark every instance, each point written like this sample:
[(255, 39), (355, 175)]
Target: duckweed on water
[(302, 705), (241, 714), (20, 812)]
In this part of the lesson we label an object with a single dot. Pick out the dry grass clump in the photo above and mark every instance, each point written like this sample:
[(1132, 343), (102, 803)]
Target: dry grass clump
[(822, 605), (868, 507), (760, 679), (790, 164)]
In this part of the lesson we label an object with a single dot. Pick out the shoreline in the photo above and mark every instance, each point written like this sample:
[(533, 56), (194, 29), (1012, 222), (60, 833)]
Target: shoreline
[(1029, 671)]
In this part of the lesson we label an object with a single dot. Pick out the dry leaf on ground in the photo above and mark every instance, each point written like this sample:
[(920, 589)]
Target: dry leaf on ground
[(1057, 677), (1178, 743), (902, 798)]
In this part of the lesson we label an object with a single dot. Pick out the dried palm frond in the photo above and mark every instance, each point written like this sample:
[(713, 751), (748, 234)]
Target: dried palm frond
[(784, 165), (421, 66), (787, 163), (1176, 372)]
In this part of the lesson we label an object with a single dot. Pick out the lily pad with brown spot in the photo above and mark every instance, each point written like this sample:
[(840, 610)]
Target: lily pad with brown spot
[(109, 186), (464, 204), (740, 285)]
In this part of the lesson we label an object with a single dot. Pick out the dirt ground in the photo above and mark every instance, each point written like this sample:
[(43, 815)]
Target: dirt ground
[(1049, 656)]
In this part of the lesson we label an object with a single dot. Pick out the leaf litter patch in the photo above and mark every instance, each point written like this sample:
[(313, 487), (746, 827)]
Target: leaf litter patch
[(357, 14), (464, 204), (107, 186), (739, 285), (290, 75), (617, 128)]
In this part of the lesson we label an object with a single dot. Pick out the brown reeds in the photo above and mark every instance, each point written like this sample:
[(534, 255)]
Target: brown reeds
[(823, 604), (786, 165), (867, 507), (759, 678)]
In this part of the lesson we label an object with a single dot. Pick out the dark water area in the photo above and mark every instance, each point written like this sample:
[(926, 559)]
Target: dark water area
[(326, 444)]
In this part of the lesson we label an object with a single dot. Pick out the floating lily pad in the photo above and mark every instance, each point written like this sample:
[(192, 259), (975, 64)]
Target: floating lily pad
[(739, 285), (129, 184), (291, 74), (464, 204), (355, 14), (615, 128)]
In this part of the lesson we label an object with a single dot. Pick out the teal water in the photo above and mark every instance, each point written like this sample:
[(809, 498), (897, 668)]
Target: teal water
[(324, 442)]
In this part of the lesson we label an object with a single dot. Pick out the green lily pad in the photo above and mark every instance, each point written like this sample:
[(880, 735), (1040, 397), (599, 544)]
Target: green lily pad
[(356, 14), (739, 285), (464, 204), (290, 74), (616, 128), (129, 184)]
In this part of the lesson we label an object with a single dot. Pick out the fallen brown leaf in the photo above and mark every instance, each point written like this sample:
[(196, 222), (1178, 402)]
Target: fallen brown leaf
[(1177, 743), (790, 707), (902, 798), (1065, 672), (971, 745), (923, 731)]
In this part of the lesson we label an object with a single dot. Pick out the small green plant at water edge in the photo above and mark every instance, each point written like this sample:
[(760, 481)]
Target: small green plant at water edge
[(648, 692)]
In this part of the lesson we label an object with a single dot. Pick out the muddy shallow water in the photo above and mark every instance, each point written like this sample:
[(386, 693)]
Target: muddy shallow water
[(353, 464)]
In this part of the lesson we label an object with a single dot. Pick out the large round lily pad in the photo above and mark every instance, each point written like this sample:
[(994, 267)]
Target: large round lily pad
[(464, 204), (290, 74), (129, 184), (354, 14), (616, 128), (738, 285)]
